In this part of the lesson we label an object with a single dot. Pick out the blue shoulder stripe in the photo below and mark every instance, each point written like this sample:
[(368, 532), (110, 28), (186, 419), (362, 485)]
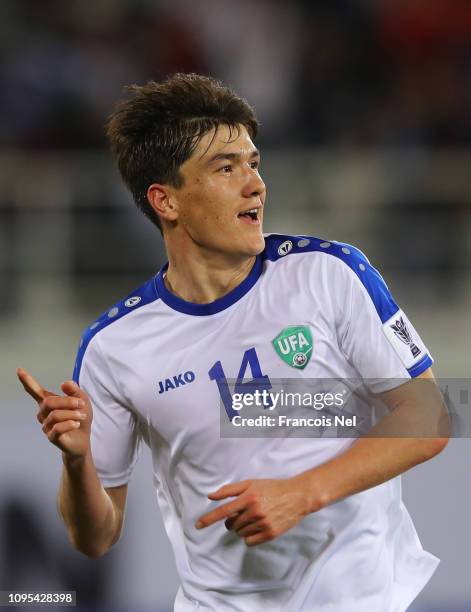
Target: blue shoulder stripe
[(278, 246), (143, 295)]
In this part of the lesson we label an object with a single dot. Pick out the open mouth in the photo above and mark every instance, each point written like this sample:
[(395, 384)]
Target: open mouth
[(250, 216)]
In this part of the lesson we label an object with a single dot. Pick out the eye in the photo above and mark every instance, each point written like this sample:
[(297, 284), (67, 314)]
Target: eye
[(255, 165), (226, 169)]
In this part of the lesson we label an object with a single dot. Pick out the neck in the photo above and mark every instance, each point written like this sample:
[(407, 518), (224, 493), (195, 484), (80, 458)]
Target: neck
[(206, 278)]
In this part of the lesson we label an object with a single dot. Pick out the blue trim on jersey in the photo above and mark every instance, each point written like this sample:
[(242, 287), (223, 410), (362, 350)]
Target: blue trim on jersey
[(420, 367), (373, 282), (213, 307), (145, 292), (371, 279)]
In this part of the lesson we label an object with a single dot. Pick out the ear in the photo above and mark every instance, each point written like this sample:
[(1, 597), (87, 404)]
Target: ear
[(159, 197)]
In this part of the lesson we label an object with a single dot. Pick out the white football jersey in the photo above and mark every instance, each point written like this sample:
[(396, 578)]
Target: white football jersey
[(157, 369)]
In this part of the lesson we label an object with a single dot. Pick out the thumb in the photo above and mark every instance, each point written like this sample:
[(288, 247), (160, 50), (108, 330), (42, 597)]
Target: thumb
[(71, 388)]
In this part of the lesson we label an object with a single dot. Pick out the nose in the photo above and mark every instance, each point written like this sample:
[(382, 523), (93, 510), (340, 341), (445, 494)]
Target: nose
[(254, 185)]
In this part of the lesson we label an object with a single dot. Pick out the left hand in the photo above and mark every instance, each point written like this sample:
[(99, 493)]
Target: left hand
[(262, 510)]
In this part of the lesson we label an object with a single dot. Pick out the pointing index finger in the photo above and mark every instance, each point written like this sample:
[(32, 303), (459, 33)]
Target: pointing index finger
[(221, 512), (31, 385)]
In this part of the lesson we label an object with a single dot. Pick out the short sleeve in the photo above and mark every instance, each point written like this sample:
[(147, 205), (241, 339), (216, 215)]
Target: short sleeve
[(374, 334), (115, 437)]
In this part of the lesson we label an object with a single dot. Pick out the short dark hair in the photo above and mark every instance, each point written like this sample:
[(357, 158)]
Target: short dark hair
[(155, 131)]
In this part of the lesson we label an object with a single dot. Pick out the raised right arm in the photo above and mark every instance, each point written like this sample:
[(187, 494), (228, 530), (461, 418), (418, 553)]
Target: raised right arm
[(93, 515)]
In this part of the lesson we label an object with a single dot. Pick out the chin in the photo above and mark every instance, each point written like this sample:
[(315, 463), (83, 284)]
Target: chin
[(256, 246)]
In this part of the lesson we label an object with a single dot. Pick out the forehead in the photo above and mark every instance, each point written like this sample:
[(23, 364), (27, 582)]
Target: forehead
[(225, 139)]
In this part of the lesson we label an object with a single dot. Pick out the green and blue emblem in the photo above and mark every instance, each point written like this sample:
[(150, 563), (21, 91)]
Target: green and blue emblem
[(294, 346)]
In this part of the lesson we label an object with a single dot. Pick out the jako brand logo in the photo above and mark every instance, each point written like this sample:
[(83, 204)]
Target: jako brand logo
[(179, 380)]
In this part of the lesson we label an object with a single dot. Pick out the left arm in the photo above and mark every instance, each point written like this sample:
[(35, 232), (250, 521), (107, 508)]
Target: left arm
[(263, 509), (375, 459)]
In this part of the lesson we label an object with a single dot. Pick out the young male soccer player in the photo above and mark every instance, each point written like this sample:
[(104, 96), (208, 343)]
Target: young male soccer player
[(256, 524)]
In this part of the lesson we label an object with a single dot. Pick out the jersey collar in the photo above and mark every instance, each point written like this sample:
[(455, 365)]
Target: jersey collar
[(213, 307)]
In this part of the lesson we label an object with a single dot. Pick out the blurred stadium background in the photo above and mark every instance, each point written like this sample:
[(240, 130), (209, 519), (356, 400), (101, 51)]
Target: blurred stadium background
[(366, 138)]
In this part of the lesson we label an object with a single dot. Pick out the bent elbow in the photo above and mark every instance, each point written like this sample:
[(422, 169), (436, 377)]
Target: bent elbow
[(436, 446), (94, 553), (88, 552), (92, 550)]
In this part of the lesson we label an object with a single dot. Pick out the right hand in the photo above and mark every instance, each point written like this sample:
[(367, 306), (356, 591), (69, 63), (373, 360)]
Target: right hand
[(66, 419)]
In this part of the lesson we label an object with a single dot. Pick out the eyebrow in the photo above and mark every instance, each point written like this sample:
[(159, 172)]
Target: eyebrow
[(232, 156)]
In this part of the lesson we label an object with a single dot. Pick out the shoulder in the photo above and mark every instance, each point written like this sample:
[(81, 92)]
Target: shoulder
[(134, 301), (340, 263), (280, 246)]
